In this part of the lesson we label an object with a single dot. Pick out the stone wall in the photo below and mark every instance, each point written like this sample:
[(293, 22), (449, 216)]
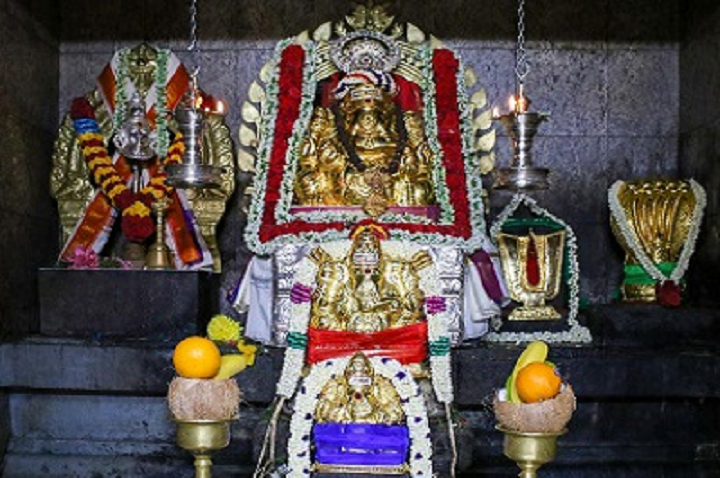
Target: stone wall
[(607, 70), (28, 100), (700, 134)]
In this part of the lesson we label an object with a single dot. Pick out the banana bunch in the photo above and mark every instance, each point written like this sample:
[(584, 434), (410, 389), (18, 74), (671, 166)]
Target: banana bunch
[(233, 364), (227, 330)]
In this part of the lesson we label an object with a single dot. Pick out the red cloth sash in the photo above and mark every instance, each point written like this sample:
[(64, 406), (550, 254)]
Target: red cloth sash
[(92, 230), (94, 226), (174, 89), (405, 344)]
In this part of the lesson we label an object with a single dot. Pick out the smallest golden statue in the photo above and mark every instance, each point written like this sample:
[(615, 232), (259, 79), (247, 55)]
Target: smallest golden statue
[(532, 265), (359, 396)]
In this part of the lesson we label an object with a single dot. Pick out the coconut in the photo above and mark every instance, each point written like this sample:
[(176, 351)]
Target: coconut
[(203, 399), (548, 416)]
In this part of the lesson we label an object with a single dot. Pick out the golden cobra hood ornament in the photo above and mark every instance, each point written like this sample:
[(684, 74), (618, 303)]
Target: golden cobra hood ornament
[(657, 224)]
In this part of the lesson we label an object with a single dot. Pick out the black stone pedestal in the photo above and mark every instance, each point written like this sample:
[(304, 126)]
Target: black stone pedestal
[(131, 304)]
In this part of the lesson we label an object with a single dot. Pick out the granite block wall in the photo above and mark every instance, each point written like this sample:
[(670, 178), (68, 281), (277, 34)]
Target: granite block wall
[(28, 100), (608, 71), (4, 427), (700, 134)]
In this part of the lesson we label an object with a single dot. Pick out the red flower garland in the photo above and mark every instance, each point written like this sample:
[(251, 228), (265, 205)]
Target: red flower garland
[(445, 70)]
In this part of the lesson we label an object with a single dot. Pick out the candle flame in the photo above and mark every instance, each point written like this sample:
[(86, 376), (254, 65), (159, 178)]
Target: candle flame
[(522, 104)]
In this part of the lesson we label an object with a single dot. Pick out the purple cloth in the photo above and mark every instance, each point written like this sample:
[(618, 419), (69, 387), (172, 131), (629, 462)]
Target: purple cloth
[(361, 444), (488, 276)]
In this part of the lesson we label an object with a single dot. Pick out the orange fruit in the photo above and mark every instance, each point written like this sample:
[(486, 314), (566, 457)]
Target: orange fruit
[(196, 357), (537, 381)]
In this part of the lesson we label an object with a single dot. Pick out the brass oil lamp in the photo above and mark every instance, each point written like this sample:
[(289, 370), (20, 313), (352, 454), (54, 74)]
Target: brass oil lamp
[(159, 256), (190, 117), (521, 126)]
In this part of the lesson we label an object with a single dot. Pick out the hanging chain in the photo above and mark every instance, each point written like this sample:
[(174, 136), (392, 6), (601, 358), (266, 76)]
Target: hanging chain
[(192, 47), (521, 63)]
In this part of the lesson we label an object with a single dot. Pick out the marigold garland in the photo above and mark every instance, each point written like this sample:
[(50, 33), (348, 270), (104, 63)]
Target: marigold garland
[(137, 225)]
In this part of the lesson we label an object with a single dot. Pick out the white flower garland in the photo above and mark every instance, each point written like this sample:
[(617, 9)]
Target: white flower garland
[(266, 134), (121, 99), (618, 213), (577, 333), (412, 402), (472, 164), (300, 318), (351, 217), (442, 195)]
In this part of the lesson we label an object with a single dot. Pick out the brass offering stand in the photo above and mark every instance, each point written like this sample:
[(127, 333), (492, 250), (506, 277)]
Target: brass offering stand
[(158, 256), (202, 438), (530, 450)]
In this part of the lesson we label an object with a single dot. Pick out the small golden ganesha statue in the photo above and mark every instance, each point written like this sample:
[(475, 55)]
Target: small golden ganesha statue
[(362, 150), (359, 396), (657, 223)]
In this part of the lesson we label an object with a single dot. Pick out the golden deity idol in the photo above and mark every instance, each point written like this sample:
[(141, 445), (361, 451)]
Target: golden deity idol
[(656, 223), (367, 291), (142, 70), (359, 396), (364, 151), (532, 265)]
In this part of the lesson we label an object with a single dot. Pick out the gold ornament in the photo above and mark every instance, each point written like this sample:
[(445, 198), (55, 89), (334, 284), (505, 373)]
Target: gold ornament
[(359, 396), (653, 220), (367, 291), (368, 37), (544, 250)]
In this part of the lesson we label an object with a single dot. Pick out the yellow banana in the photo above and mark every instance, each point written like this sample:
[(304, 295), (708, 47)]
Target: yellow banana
[(248, 351), (230, 365), (536, 351)]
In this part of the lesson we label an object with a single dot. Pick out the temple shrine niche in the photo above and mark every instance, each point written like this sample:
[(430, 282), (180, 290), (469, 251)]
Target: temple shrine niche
[(105, 176)]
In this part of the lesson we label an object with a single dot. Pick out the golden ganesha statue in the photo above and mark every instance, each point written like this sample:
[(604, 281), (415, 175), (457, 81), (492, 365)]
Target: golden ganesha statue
[(359, 396), (657, 223), (157, 79), (367, 291), (362, 150)]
